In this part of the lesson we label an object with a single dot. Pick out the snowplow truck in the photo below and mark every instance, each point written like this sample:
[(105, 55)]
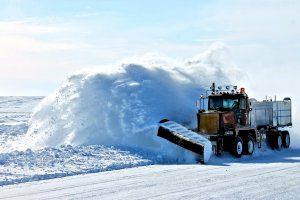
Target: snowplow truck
[(228, 120)]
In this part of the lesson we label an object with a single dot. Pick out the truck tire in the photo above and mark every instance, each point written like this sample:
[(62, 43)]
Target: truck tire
[(277, 140), (286, 140), (249, 145), (237, 147)]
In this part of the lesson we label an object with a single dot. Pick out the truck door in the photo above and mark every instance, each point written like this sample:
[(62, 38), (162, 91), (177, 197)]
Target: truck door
[(243, 112)]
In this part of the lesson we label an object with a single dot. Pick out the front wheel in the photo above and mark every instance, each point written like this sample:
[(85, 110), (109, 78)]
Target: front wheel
[(237, 147)]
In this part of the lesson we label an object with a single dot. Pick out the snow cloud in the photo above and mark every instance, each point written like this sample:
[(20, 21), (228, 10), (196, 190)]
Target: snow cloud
[(123, 107)]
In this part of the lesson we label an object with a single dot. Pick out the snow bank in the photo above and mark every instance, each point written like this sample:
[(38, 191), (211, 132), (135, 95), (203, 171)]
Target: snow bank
[(122, 105), (48, 163)]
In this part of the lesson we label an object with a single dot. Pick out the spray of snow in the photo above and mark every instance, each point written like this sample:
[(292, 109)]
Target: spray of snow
[(295, 131), (122, 105)]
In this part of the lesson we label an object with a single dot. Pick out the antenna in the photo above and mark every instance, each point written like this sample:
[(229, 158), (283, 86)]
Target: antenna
[(213, 87)]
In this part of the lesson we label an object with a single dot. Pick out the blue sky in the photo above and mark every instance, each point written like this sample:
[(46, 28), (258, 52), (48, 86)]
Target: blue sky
[(41, 41)]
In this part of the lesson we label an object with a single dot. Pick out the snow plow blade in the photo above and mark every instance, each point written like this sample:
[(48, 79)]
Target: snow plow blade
[(185, 138)]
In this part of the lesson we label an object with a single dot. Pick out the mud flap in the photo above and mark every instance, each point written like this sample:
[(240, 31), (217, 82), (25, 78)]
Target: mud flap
[(185, 138)]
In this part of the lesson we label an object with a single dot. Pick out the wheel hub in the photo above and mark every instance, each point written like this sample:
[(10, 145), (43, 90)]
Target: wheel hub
[(239, 148), (250, 146), (287, 140), (279, 141)]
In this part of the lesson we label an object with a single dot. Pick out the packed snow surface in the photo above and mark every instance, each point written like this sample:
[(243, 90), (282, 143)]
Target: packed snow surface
[(258, 177)]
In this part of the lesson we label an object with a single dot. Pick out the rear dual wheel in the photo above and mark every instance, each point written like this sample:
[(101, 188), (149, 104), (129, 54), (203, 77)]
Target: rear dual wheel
[(279, 139)]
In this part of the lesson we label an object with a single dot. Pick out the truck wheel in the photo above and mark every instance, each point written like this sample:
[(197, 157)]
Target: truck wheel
[(278, 141), (249, 145), (237, 147), (286, 140)]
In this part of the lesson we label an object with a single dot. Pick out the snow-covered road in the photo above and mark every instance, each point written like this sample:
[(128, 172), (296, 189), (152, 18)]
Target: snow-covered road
[(273, 176)]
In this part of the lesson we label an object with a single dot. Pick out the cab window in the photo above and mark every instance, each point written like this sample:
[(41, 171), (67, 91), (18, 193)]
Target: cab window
[(223, 104)]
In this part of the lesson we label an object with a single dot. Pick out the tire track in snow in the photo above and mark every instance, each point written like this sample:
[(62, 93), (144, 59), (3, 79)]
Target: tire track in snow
[(194, 190), (211, 188), (166, 181), (93, 182)]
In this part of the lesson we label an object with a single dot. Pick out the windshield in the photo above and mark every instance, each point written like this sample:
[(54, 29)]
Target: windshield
[(223, 104)]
